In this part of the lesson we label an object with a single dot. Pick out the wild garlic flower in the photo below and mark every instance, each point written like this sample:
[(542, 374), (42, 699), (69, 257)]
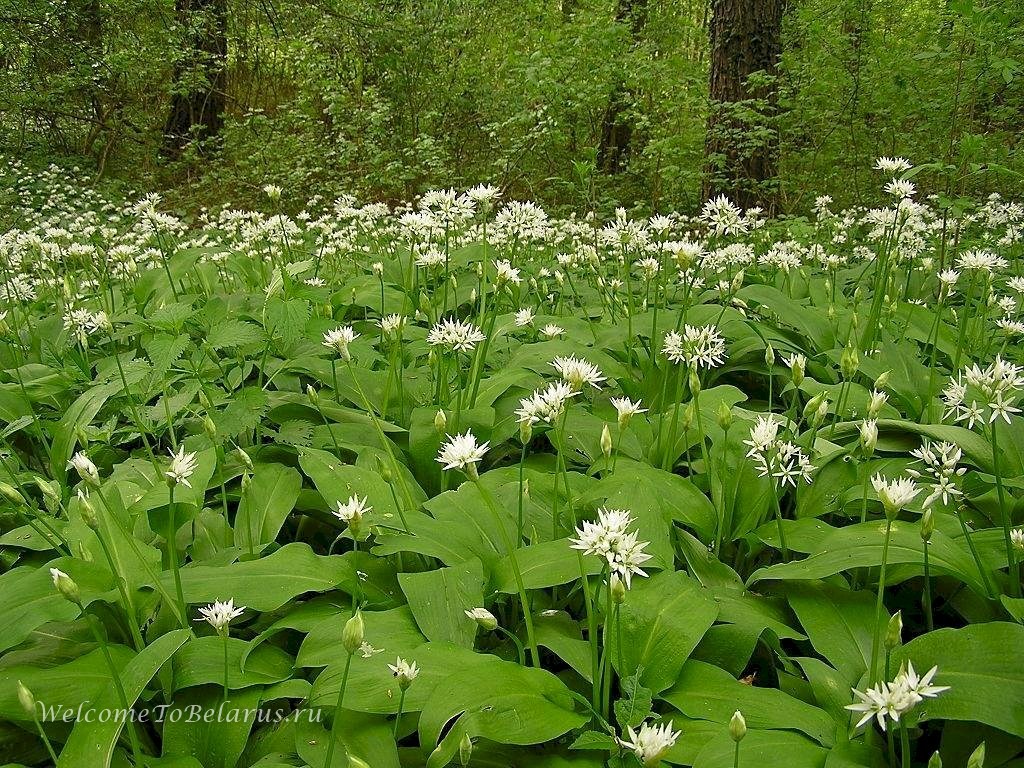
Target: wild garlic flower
[(609, 539), (650, 743), (1017, 539), (891, 700), (578, 372), (980, 260), (892, 165), (218, 615), (868, 435), (546, 404), (997, 387), (875, 403), (697, 346), (524, 317), (777, 458), (272, 191), (404, 672), (723, 217), (462, 452), (339, 339), (85, 468), (455, 335), (82, 324), (352, 513), (626, 409), (895, 495), (940, 460), (901, 189), (483, 618), (551, 331), (392, 325), (183, 465), (506, 273)]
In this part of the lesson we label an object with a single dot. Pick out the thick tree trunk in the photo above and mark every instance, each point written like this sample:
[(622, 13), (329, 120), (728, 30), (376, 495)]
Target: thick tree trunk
[(746, 37), (616, 130), (200, 82)]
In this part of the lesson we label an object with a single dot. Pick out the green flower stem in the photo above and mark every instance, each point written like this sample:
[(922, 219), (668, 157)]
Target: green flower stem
[(401, 706), (517, 572), (154, 577), (225, 636), (122, 696), (45, 738), (1004, 516), (876, 634), (520, 651), (736, 756), (904, 745), (606, 667), (126, 602), (172, 553), (337, 714), (385, 443), (929, 621)]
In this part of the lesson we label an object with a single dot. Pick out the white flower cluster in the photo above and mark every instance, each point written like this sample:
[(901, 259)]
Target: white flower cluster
[(891, 700), (697, 346), (940, 460), (777, 458), (991, 392), (610, 539), (651, 742), (81, 323), (578, 372), (545, 405), (455, 335)]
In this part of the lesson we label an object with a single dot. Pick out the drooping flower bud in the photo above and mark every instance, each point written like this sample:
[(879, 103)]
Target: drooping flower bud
[(483, 618), (66, 586)]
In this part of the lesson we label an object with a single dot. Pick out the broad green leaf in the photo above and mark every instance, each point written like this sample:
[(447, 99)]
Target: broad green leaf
[(663, 619), (265, 505), (438, 600), (93, 743)]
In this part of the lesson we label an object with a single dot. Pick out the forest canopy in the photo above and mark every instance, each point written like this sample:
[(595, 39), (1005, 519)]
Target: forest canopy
[(579, 104)]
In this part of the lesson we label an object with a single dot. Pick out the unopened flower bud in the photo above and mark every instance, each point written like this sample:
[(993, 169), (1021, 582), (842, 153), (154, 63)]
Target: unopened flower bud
[(737, 726), (812, 411), (798, 369), (244, 457), (868, 437), (894, 632), (694, 382), (724, 415), (465, 750), (209, 427), (769, 356), (935, 761), (87, 511), (606, 441), (927, 525), (689, 414), (11, 493), (977, 758), (440, 422), (849, 362), (384, 470), (737, 281), (882, 381), (352, 634), (26, 699), (618, 589), (525, 431), (66, 586)]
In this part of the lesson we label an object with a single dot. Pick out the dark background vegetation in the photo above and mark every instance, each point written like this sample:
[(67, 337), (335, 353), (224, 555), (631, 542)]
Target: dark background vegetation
[(650, 104)]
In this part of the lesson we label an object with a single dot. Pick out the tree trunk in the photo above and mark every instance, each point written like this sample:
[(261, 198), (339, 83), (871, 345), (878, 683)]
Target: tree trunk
[(746, 37), (616, 129), (199, 91)]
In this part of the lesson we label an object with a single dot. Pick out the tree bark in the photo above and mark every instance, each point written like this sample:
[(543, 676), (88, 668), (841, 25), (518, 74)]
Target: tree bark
[(199, 91), (616, 130), (746, 37)]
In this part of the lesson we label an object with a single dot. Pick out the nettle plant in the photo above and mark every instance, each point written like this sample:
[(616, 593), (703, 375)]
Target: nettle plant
[(461, 484)]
